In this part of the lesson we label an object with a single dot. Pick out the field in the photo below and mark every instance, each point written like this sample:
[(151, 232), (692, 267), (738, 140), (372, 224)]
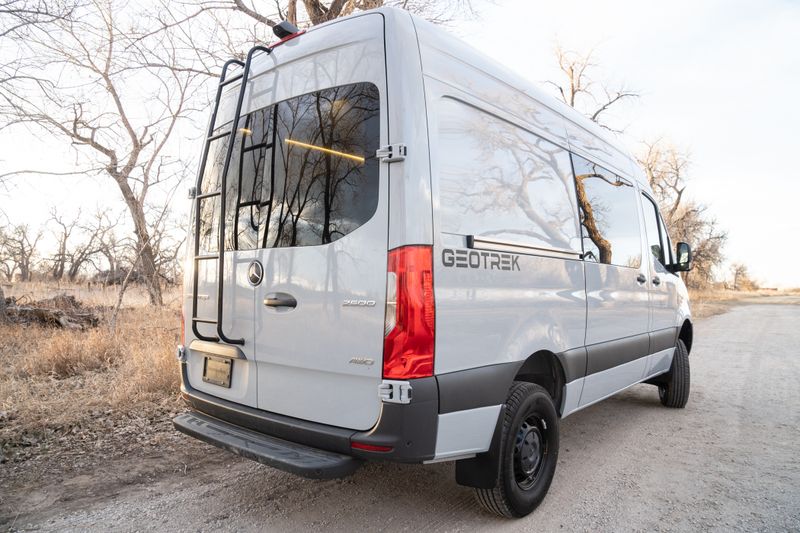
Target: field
[(73, 391)]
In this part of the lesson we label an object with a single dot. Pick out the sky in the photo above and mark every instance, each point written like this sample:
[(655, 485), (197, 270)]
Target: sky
[(717, 78)]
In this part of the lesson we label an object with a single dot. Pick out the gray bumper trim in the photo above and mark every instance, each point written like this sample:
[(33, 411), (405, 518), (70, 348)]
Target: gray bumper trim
[(284, 455)]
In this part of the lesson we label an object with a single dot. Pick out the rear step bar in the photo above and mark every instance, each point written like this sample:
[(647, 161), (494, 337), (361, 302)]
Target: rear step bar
[(283, 455)]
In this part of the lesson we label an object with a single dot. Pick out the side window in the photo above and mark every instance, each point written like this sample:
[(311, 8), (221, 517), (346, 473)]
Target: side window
[(608, 215), (498, 181), (652, 231)]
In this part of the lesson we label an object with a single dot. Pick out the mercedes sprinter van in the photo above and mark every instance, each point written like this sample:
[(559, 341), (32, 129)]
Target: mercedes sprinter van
[(401, 251)]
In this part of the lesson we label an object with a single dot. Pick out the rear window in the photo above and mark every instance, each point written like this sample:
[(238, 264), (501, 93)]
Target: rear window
[(303, 171)]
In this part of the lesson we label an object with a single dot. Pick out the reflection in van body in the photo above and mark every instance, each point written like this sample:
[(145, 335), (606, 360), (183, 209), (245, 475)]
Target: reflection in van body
[(408, 253)]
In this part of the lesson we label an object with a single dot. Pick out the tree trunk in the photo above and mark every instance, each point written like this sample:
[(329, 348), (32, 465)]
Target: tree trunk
[(147, 258), (3, 318)]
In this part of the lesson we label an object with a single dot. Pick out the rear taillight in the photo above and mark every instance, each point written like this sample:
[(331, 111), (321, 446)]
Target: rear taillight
[(183, 329), (370, 447), (410, 314)]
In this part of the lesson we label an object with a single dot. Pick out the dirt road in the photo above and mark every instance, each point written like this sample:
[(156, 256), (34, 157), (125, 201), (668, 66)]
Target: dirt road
[(729, 461)]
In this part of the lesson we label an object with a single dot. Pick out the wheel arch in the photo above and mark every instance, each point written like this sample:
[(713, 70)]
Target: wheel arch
[(686, 334), (544, 368)]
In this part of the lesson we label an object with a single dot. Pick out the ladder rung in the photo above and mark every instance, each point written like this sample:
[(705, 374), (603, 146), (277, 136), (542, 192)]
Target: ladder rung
[(204, 320), (232, 79), (262, 146), (218, 136), (207, 195), (206, 256)]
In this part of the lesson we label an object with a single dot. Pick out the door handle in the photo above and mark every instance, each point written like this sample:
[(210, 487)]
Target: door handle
[(280, 299), (656, 281), (641, 279)]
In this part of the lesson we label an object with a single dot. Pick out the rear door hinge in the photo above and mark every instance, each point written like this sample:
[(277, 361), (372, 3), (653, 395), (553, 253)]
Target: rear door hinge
[(392, 153), (392, 391)]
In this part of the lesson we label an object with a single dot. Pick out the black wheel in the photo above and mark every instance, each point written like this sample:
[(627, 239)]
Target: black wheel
[(674, 391), (528, 453)]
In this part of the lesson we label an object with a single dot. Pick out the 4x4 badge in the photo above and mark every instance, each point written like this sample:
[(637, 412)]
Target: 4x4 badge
[(255, 273)]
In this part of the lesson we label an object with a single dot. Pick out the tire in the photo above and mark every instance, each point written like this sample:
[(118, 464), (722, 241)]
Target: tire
[(674, 392), (528, 453)]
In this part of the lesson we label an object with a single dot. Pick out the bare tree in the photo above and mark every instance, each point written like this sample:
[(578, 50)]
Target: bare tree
[(665, 166), (19, 14), (741, 278), (79, 243), (114, 81), (18, 251), (313, 12), (667, 169), (580, 90), (63, 232), (87, 79), (213, 31)]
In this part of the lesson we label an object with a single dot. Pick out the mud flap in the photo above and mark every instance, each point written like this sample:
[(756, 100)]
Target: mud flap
[(482, 471)]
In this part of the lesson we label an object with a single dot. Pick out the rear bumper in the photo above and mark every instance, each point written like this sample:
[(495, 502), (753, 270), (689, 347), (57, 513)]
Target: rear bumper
[(409, 430), (284, 455)]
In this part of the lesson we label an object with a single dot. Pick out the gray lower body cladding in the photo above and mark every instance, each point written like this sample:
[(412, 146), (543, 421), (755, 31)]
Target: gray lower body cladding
[(409, 429)]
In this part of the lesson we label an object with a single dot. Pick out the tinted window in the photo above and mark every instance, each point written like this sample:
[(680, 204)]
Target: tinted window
[(651, 230), (501, 182), (303, 172), (608, 215)]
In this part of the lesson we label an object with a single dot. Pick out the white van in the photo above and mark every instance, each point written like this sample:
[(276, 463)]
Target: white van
[(401, 251)]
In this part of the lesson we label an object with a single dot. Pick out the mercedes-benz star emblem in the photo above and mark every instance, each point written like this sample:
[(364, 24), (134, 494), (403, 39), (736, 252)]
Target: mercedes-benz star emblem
[(255, 273)]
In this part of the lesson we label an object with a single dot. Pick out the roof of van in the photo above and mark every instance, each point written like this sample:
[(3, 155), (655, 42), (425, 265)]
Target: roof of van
[(618, 156)]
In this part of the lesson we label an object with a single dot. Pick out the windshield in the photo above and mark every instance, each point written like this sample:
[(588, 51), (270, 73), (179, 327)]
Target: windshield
[(303, 172)]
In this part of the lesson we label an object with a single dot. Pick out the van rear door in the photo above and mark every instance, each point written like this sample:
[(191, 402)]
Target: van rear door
[(320, 306), (306, 224), (321, 213)]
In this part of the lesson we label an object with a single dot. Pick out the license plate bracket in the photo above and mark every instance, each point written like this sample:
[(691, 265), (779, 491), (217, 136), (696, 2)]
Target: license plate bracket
[(217, 370)]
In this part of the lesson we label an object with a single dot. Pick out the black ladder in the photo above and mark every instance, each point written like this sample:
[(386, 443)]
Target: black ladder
[(221, 193)]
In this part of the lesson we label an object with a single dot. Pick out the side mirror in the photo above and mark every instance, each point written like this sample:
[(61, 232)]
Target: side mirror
[(683, 255)]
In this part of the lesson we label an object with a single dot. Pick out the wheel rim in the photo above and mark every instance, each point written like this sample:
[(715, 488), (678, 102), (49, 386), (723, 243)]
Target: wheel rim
[(530, 451)]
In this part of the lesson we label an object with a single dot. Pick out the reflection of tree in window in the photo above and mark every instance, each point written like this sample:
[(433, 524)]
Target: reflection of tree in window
[(591, 217), (325, 172), (608, 215), (303, 171), (499, 180)]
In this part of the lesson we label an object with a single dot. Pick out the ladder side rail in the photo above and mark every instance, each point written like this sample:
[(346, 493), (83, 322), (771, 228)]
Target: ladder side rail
[(198, 200), (223, 194)]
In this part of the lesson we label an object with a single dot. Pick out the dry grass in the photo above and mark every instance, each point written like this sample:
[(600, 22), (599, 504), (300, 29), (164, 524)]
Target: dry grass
[(57, 382), (95, 295), (715, 302)]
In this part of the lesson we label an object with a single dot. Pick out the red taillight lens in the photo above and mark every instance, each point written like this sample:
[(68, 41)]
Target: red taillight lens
[(410, 314), (287, 38), (370, 447)]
